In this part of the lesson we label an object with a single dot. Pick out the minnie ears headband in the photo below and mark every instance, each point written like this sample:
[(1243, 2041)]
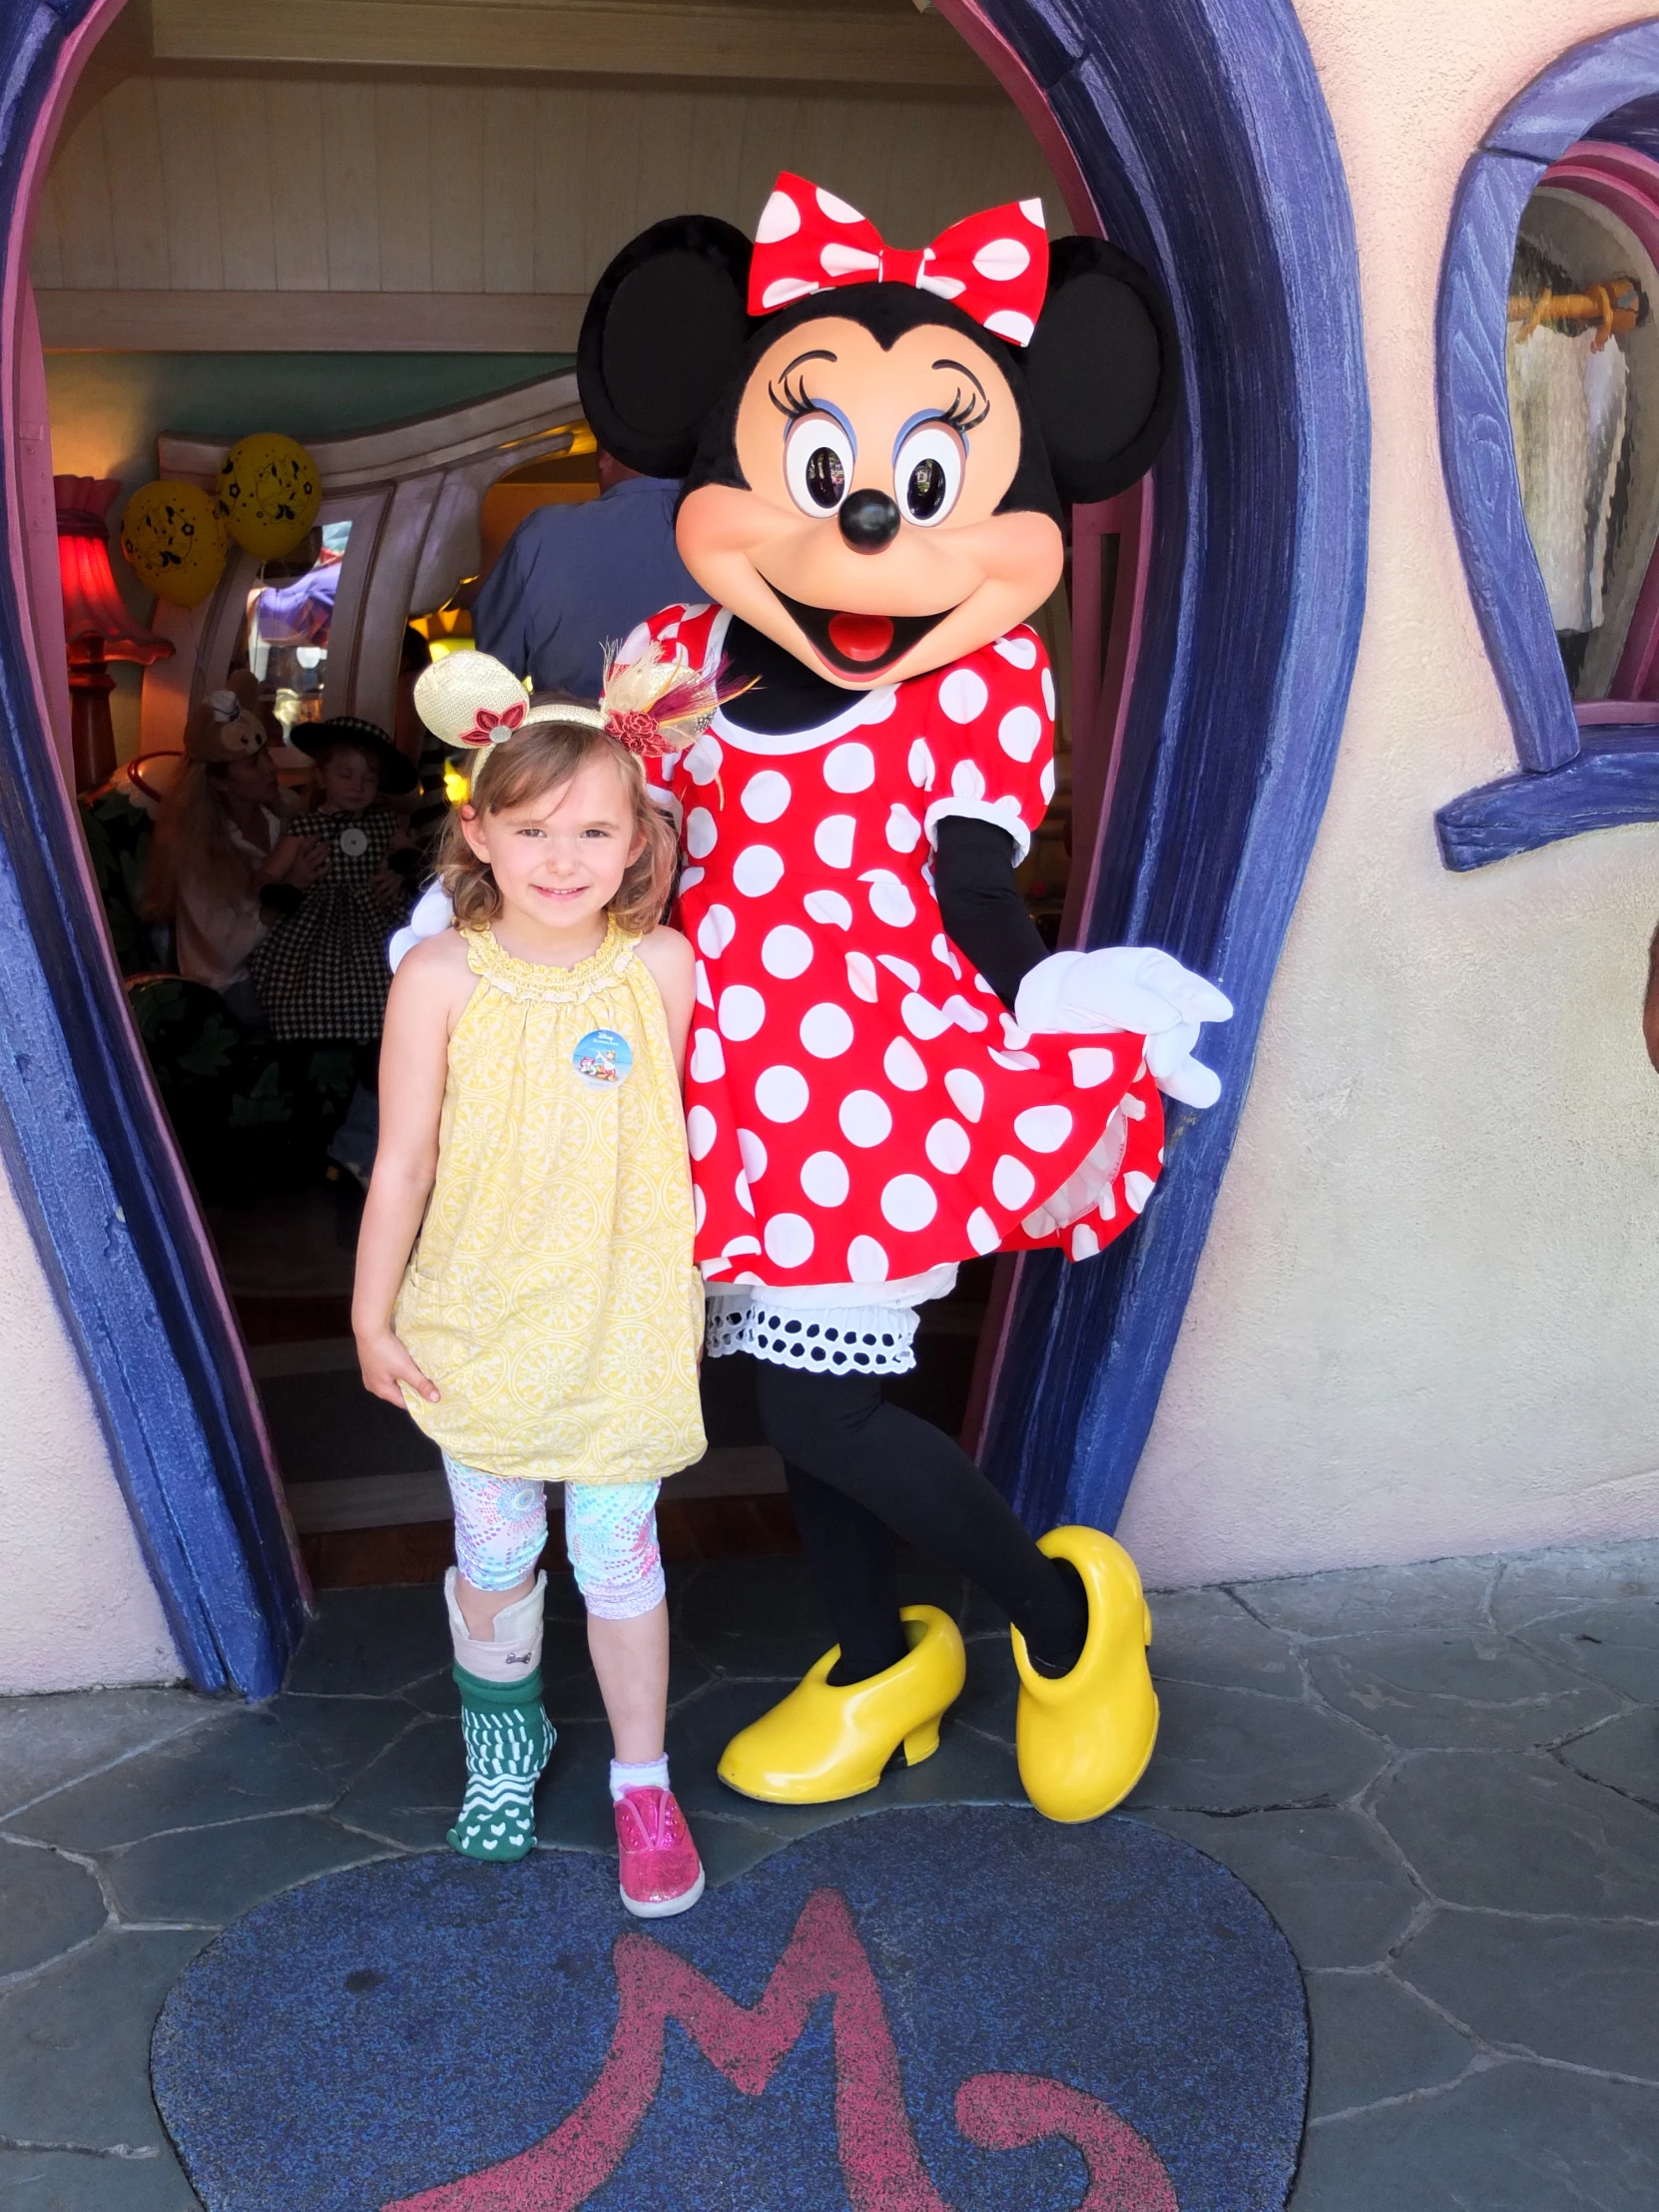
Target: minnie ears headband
[(995, 266), (655, 703)]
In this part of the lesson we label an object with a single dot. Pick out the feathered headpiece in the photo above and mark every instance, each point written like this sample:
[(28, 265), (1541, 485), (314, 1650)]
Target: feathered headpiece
[(656, 703)]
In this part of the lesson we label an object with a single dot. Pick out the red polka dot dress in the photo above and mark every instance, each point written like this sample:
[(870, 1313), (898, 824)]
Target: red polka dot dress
[(861, 1109)]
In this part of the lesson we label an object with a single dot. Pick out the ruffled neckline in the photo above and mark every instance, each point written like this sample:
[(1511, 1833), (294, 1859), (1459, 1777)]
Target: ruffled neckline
[(531, 979)]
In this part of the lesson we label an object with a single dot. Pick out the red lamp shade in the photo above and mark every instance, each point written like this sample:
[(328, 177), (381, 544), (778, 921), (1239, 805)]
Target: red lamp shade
[(97, 626)]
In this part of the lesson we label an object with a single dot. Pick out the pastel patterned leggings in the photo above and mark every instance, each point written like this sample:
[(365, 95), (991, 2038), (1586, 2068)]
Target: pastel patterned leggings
[(610, 1533)]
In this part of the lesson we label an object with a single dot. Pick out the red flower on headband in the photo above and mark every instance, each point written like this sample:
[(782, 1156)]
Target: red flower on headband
[(995, 266), (489, 728)]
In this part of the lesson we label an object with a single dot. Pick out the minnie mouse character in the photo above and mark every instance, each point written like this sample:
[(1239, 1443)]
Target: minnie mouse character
[(888, 1072)]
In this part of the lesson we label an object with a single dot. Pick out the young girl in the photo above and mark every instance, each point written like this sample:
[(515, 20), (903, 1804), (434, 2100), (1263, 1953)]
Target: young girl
[(547, 1327)]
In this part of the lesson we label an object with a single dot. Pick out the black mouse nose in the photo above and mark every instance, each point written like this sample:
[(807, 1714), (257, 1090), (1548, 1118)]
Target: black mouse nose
[(868, 520)]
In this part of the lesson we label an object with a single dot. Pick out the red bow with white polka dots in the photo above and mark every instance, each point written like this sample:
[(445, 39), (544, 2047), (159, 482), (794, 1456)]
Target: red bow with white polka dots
[(995, 266)]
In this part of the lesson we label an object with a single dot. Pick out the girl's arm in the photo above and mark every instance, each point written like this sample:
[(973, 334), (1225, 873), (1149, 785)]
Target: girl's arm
[(673, 967), (427, 996)]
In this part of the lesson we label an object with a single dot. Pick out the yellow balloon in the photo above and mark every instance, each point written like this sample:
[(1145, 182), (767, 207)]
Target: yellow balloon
[(174, 536), (271, 490)]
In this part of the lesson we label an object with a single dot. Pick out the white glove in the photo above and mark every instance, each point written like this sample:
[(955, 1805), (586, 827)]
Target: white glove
[(1134, 988), (431, 917)]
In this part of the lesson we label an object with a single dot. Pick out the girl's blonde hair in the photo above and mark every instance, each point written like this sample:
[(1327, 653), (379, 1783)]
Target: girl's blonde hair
[(193, 842), (539, 758)]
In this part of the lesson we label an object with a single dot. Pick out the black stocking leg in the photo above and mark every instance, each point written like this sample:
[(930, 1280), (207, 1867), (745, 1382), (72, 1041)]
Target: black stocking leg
[(913, 1479), (853, 1563)]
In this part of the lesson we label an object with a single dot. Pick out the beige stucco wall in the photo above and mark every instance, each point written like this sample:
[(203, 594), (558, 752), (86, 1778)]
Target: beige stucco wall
[(76, 1604), (1428, 1316)]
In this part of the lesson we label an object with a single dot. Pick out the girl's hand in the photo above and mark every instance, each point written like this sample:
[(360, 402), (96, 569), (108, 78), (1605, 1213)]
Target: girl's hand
[(385, 1364)]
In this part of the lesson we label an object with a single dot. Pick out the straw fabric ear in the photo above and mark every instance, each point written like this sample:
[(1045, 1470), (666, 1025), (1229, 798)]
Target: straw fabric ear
[(470, 698)]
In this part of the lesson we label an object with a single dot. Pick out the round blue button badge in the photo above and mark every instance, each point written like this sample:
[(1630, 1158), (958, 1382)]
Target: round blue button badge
[(602, 1059)]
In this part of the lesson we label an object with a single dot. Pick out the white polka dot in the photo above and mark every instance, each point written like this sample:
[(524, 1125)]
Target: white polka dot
[(830, 907), (786, 951), (1012, 1182), (1091, 1065), (967, 1093), (742, 1012), (1018, 652), (889, 902), (700, 1209), (704, 996), (789, 1240), (779, 294), (704, 759), (700, 1132), (708, 1057), (860, 976), (716, 931), (865, 1119), (779, 219), (1007, 323), (1043, 1127), (962, 695), (940, 950), (832, 839), (983, 1233), (1013, 1036), (1084, 1243), (757, 871), (781, 1094), (1002, 260), (947, 288), (921, 1017), (878, 704), (908, 974), (1019, 733), (1017, 1063), (850, 768), (907, 1202), (903, 1066), (700, 833), (1137, 1189), (920, 766), (1045, 781), (1048, 692), (837, 209), (839, 259), (742, 1193), (865, 1261), (980, 984), (968, 779), (767, 794), (754, 1154), (1134, 1109), (689, 877), (827, 1030), (966, 1014), (949, 1145), (904, 830), (824, 1179)]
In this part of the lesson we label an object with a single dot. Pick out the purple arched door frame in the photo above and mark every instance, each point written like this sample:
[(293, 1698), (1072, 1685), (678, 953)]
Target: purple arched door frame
[(1256, 568)]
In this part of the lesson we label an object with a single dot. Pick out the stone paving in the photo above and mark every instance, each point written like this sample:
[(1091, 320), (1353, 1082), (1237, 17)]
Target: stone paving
[(1442, 1780)]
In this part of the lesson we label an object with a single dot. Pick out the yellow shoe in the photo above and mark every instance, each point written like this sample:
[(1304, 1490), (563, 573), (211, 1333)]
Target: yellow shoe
[(821, 1743), (1084, 1738)]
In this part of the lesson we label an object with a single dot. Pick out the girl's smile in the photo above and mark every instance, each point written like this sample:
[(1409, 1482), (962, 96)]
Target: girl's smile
[(558, 861)]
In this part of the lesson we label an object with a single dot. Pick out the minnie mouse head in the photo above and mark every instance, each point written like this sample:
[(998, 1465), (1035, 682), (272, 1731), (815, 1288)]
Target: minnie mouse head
[(876, 445)]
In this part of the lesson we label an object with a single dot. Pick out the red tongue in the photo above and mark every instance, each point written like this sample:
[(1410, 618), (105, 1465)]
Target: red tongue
[(860, 637)]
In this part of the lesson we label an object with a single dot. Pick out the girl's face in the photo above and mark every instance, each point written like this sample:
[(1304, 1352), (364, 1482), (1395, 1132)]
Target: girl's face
[(350, 781), (559, 859)]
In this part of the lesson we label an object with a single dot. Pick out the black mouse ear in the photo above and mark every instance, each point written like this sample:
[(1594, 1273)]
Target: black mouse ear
[(1103, 369), (662, 338)]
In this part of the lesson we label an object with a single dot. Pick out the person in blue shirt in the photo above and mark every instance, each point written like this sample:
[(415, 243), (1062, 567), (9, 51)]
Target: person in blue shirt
[(572, 580)]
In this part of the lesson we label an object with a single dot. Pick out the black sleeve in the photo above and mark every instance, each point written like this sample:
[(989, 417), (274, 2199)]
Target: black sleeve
[(985, 915)]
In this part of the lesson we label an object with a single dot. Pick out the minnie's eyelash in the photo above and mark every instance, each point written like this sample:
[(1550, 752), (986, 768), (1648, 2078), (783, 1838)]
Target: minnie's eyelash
[(795, 403), (966, 411)]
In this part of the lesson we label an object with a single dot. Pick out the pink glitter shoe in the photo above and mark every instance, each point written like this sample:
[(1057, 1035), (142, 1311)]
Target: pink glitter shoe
[(661, 1872)]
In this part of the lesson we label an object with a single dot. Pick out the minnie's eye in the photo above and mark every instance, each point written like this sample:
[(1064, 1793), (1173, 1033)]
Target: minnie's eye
[(817, 464), (927, 474)]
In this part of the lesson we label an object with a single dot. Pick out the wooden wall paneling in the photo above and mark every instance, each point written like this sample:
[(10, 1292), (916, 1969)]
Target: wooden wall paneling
[(873, 152), (186, 122), (510, 190), (558, 157), (80, 177), (132, 148), (663, 166), (248, 191), (610, 182), (455, 185), (350, 186), (311, 322), (403, 183), (293, 123), (46, 250), (715, 153)]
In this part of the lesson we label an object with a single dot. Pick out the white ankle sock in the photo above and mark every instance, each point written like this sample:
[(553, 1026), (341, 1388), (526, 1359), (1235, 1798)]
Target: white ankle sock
[(653, 1775)]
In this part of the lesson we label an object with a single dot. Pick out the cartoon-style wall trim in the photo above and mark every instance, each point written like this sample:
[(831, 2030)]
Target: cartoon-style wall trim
[(1204, 143), (83, 1140), (1571, 780)]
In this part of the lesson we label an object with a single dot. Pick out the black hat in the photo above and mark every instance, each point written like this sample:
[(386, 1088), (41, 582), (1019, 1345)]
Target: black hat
[(397, 774)]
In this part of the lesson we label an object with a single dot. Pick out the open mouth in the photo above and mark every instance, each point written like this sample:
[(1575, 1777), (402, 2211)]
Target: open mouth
[(859, 645)]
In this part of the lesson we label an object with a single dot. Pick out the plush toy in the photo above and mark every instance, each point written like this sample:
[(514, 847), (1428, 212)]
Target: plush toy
[(888, 1073)]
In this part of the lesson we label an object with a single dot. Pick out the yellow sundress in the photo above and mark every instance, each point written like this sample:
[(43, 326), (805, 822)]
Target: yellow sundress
[(552, 1296)]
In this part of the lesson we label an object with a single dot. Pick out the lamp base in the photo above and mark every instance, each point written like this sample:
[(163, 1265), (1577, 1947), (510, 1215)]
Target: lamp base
[(92, 733)]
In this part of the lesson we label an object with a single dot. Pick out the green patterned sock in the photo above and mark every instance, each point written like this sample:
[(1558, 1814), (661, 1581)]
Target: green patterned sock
[(508, 1741)]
